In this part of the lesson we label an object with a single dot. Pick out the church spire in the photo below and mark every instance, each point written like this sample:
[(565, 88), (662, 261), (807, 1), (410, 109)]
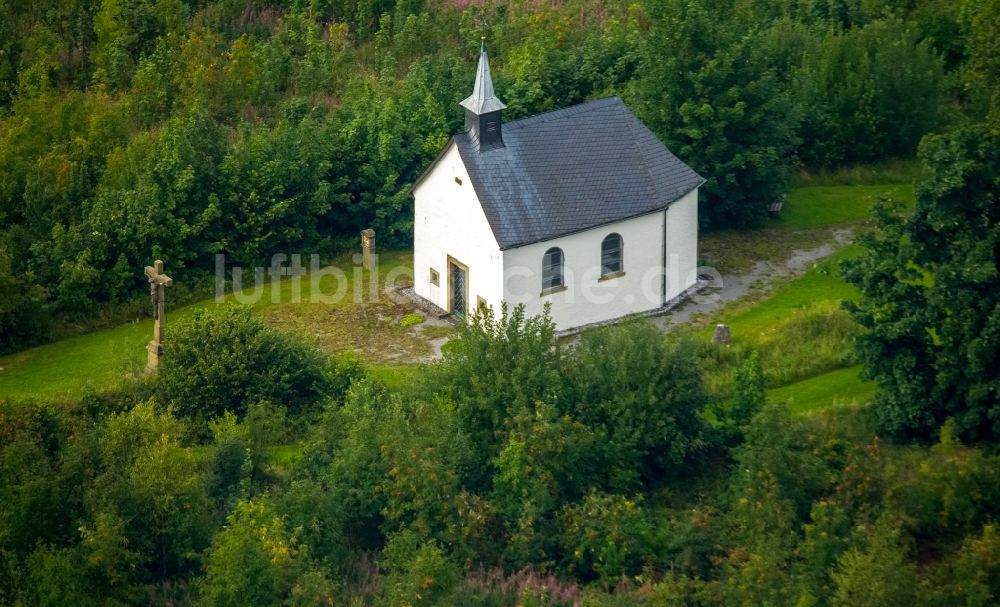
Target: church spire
[(483, 108)]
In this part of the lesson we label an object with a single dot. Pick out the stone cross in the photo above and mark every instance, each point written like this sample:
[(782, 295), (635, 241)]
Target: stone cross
[(158, 281)]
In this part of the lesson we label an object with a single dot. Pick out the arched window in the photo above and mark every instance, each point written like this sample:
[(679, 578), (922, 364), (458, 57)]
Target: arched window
[(552, 269), (611, 254)]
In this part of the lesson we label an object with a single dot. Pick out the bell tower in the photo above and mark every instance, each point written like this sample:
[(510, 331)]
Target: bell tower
[(483, 108)]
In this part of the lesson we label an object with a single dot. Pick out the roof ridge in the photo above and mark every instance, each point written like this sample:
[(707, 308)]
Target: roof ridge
[(569, 110), (572, 169)]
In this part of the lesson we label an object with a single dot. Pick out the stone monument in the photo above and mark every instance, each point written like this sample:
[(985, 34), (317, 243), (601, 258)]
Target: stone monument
[(368, 248), (158, 282)]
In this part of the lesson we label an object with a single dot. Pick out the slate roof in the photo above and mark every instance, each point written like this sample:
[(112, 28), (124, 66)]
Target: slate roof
[(573, 169)]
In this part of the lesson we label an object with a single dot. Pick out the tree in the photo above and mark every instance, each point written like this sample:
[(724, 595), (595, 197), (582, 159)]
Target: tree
[(256, 560), (719, 106), (147, 511), (497, 366), (645, 393), (868, 93), (419, 573), (930, 362), (22, 318), (880, 574), (609, 536)]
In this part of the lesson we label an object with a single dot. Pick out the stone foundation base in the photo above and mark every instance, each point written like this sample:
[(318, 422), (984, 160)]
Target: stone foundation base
[(154, 351)]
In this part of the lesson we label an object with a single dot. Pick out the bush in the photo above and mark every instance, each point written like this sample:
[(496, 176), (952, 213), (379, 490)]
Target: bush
[(645, 391), (880, 575), (23, 320), (420, 573), (256, 560), (227, 360), (495, 367), (607, 536)]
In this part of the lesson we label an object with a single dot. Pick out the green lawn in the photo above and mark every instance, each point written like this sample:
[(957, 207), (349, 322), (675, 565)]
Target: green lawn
[(803, 337), (364, 320), (821, 282), (65, 368), (837, 388), (816, 206)]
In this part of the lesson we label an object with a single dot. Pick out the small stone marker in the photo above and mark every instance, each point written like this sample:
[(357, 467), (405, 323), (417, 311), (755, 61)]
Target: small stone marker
[(722, 335), (368, 248), (158, 281)]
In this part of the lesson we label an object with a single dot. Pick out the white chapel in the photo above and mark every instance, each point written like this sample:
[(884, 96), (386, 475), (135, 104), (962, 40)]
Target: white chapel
[(582, 208)]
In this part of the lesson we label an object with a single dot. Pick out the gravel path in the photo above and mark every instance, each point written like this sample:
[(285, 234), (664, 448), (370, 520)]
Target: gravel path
[(728, 288)]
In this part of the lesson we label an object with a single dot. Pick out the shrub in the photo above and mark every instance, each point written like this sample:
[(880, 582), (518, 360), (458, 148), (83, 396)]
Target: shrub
[(496, 366), (227, 360), (607, 536), (880, 574), (645, 391), (256, 560), (419, 573)]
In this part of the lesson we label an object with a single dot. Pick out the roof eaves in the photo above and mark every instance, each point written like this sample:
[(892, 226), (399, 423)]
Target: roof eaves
[(430, 167)]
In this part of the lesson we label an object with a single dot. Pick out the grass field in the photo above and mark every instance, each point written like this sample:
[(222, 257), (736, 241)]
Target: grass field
[(828, 205), (836, 388), (797, 327), (364, 319)]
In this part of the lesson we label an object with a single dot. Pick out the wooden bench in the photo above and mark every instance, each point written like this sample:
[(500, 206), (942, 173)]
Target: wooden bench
[(774, 209)]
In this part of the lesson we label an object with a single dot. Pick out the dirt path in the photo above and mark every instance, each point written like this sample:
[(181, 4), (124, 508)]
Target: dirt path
[(761, 277)]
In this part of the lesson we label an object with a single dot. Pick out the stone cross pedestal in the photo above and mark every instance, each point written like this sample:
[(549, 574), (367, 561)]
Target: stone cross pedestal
[(368, 248), (158, 281)]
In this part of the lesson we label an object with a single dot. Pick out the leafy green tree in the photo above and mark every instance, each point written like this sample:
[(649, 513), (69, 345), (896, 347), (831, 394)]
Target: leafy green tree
[(645, 392), (498, 365), (257, 560), (870, 93), (980, 73), (777, 476), (932, 364), (56, 577), (971, 576), (420, 573), (276, 189), (548, 460), (112, 54), (144, 513), (953, 492), (38, 488), (750, 394), (609, 536), (718, 106), (879, 574), (22, 318)]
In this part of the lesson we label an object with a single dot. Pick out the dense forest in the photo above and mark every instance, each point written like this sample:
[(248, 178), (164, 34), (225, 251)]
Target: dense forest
[(141, 129), (255, 469)]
